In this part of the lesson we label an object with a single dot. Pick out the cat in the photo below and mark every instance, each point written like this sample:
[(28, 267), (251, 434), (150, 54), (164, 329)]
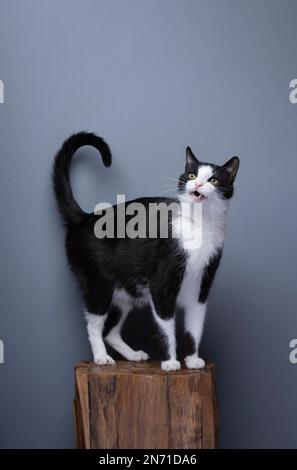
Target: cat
[(162, 272)]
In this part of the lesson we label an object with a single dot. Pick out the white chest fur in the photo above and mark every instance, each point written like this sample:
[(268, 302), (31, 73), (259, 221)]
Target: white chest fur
[(206, 234)]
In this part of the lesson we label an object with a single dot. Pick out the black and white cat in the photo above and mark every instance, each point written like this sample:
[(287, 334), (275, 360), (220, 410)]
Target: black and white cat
[(163, 272)]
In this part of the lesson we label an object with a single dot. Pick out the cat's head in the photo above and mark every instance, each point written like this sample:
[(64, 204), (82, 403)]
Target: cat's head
[(205, 181)]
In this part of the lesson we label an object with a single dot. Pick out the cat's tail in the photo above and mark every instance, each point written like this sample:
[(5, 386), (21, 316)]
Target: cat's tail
[(69, 209)]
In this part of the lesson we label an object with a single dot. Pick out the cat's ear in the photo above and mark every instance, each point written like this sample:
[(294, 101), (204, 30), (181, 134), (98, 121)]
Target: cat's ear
[(190, 157), (231, 166)]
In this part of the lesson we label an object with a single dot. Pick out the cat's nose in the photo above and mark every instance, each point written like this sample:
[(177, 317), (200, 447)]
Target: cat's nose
[(198, 184)]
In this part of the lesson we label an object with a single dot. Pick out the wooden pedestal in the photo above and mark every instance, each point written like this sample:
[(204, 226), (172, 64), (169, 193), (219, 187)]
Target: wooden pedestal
[(138, 406)]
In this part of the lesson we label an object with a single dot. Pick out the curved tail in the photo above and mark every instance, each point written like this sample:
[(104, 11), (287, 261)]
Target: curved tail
[(69, 209)]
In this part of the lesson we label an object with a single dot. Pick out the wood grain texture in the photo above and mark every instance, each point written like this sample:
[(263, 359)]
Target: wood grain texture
[(138, 406), (81, 405)]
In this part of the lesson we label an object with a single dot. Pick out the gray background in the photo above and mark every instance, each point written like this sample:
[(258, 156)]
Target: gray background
[(151, 77)]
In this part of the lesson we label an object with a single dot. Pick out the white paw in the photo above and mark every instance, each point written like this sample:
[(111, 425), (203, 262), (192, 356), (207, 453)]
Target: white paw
[(171, 364), (104, 360), (138, 356), (194, 362)]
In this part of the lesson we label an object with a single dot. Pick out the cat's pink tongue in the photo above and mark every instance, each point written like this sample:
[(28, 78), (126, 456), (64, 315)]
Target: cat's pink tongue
[(198, 198)]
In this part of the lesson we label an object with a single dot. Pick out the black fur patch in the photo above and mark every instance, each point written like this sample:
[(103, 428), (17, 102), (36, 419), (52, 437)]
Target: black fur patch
[(208, 276)]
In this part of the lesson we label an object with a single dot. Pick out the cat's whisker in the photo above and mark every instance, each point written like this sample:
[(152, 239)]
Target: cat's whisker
[(170, 178), (168, 190), (174, 186), (167, 186)]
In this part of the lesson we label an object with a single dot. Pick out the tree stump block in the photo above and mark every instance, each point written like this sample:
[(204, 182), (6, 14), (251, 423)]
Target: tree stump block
[(138, 406)]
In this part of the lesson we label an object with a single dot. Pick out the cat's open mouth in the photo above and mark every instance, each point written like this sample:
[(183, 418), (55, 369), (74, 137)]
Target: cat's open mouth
[(196, 196)]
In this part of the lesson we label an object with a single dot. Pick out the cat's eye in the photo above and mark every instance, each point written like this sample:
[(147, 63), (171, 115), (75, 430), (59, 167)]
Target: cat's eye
[(214, 181), (192, 176)]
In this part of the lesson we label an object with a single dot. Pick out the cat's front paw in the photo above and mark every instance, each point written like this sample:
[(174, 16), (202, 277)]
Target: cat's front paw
[(194, 362), (138, 356), (104, 360), (171, 364)]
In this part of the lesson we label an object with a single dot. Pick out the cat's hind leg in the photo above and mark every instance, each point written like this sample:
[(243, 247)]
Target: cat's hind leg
[(95, 325), (98, 296), (124, 304)]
